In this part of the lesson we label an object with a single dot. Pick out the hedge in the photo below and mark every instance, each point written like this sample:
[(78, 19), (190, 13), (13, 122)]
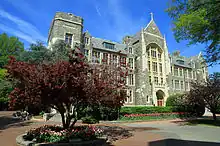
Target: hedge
[(145, 110)]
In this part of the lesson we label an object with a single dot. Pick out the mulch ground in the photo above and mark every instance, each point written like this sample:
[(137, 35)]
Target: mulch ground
[(11, 128)]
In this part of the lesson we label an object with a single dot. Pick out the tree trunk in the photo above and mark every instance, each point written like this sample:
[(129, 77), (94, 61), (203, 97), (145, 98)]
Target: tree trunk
[(63, 120), (214, 116)]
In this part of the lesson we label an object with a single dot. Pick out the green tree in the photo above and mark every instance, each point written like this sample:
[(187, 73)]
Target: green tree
[(6, 87), (9, 46), (38, 53), (198, 21)]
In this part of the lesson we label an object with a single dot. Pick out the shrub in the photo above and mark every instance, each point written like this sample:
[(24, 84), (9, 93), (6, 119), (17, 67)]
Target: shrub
[(89, 120), (41, 113), (174, 100), (182, 103), (108, 113), (144, 110), (99, 112)]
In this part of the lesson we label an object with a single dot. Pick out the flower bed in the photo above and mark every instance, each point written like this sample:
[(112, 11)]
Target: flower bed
[(155, 114), (56, 134)]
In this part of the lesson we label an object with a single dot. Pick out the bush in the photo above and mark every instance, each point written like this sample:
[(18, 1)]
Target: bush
[(145, 110), (89, 120), (174, 100), (182, 103), (98, 112), (41, 113), (108, 113)]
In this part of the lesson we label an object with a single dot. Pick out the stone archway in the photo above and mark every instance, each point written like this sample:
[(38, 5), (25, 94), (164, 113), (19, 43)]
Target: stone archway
[(160, 97)]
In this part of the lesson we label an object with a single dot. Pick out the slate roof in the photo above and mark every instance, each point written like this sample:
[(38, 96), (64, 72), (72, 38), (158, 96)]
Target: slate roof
[(98, 44), (187, 60)]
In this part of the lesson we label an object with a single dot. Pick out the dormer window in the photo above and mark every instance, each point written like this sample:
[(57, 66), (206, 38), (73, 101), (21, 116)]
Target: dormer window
[(180, 62), (130, 50), (109, 46), (86, 40)]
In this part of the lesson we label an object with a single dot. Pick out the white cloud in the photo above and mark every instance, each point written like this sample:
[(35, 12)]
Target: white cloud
[(121, 20), (17, 33), (23, 27), (31, 11), (98, 11)]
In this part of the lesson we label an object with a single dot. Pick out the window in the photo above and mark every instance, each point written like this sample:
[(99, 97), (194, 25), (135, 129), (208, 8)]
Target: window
[(86, 52), (130, 50), (185, 73), (177, 85), (161, 81), (86, 40), (190, 74), (172, 84), (109, 46), (159, 55), (187, 85), (153, 53), (160, 66), (130, 96), (180, 62), (130, 79), (68, 38), (171, 69), (156, 80), (181, 83), (105, 58), (123, 61), (175, 71), (155, 66), (148, 53), (131, 63), (95, 57), (150, 79), (149, 65), (181, 72), (194, 74), (114, 59)]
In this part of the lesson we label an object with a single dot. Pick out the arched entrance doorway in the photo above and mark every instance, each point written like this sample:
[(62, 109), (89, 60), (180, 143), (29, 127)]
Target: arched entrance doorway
[(160, 97)]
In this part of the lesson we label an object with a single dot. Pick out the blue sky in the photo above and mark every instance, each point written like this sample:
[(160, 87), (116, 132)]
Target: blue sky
[(110, 19)]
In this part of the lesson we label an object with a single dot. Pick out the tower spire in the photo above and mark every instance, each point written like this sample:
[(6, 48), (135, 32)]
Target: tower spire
[(152, 16)]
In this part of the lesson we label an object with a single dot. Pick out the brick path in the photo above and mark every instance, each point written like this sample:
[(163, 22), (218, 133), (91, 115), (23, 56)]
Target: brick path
[(11, 128)]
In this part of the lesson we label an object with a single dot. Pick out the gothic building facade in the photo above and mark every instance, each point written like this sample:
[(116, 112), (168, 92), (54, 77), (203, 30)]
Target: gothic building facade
[(154, 73)]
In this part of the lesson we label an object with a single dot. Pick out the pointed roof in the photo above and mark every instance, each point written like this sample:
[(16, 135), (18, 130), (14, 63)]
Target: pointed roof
[(152, 27)]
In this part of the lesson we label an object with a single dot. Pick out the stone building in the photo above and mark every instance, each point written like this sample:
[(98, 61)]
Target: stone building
[(154, 73)]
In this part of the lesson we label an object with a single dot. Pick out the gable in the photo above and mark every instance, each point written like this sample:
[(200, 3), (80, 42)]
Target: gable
[(152, 28)]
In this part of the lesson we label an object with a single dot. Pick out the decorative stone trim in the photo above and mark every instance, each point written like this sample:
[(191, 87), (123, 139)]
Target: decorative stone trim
[(98, 142)]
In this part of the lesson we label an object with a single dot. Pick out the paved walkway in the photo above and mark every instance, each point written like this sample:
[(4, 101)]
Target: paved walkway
[(11, 128), (154, 133), (180, 131)]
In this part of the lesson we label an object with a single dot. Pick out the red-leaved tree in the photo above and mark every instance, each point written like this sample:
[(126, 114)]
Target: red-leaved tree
[(66, 85)]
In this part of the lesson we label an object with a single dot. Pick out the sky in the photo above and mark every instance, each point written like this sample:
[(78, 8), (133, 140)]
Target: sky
[(30, 20)]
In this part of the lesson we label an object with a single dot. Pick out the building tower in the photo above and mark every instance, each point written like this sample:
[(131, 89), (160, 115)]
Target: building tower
[(67, 27)]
